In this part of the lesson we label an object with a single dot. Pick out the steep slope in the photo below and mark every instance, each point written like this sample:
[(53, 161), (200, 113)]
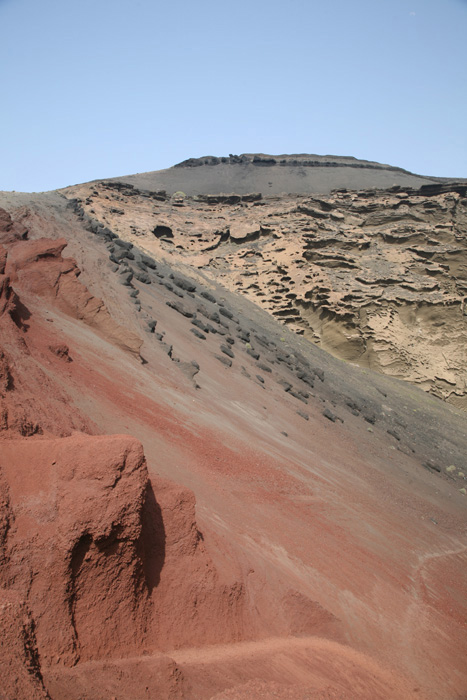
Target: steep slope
[(328, 554), (376, 277), (82, 536)]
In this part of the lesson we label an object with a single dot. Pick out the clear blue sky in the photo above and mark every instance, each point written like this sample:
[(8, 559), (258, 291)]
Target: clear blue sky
[(100, 88)]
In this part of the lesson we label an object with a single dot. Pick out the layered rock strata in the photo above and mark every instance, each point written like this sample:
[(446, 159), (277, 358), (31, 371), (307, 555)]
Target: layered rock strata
[(376, 277)]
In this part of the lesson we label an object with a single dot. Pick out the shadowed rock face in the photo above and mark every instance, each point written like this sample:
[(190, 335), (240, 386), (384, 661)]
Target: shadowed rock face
[(295, 526), (376, 277)]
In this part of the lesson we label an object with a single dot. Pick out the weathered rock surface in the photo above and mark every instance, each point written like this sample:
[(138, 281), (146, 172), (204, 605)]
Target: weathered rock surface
[(39, 268), (31, 402), (92, 566), (326, 557), (11, 231), (72, 548), (21, 675), (376, 277)]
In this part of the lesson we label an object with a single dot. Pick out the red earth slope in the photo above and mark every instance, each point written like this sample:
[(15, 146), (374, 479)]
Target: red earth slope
[(327, 555)]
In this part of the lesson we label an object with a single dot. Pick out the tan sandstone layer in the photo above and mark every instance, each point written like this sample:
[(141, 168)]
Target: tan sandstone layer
[(376, 277)]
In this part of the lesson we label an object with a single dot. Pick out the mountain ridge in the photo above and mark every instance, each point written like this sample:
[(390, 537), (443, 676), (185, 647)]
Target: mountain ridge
[(269, 174), (307, 160)]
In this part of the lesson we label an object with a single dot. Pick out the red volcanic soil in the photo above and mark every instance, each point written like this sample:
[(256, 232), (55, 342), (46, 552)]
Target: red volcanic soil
[(175, 525)]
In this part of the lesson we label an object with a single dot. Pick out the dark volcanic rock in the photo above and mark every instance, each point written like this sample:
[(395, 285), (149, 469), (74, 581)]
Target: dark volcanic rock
[(184, 284), (180, 308), (306, 378), (149, 262), (199, 324), (126, 245), (198, 333), (208, 296), (329, 415), (126, 278), (243, 335), (227, 350), (225, 312), (253, 353), (161, 231), (143, 277)]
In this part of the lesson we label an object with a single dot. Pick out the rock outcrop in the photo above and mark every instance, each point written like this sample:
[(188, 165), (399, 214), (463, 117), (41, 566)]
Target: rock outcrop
[(376, 277), (31, 403), (11, 231), (95, 565), (38, 267), (71, 551)]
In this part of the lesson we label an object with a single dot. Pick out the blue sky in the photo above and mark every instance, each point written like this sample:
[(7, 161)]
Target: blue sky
[(101, 88)]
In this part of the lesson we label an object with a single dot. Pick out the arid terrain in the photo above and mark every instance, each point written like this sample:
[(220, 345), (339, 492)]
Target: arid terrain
[(233, 435), (377, 277)]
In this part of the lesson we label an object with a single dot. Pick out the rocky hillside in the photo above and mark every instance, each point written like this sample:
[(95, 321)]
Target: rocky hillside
[(376, 277), (197, 503)]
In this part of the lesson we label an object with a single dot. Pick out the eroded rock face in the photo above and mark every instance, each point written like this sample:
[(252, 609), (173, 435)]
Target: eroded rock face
[(376, 277), (8, 298), (10, 230), (72, 580), (19, 659), (31, 403), (71, 551), (193, 604), (39, 268), (92, 566)]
